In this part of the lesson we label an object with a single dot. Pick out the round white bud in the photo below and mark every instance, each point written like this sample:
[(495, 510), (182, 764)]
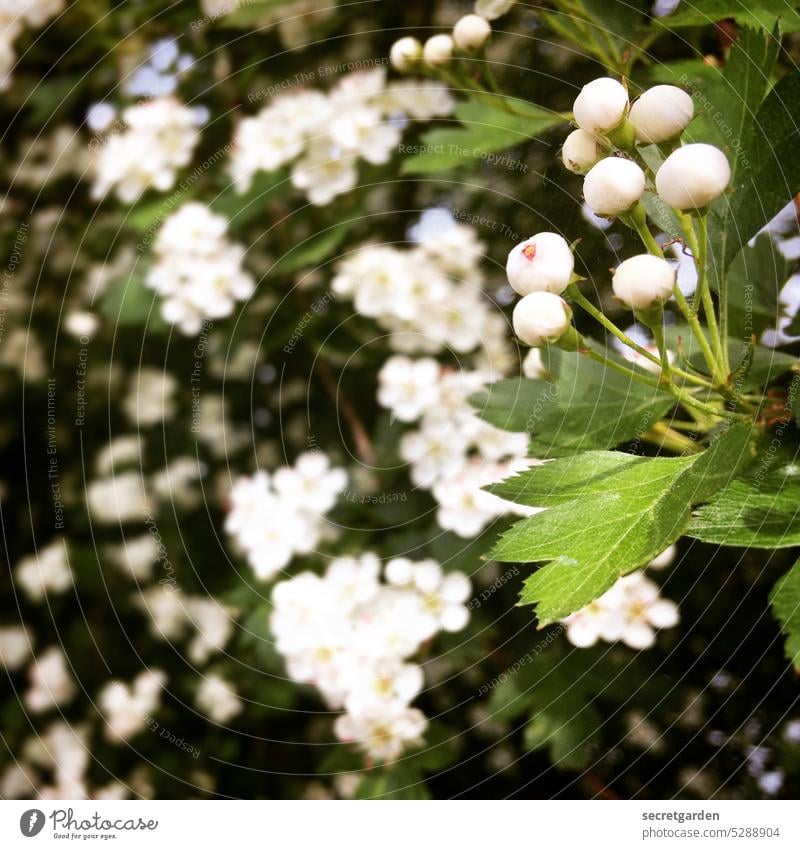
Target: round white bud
[(581, 151), (543, 263), (540, 318), (693, 176), (438, 50), (471, 33), (662, 113), (613, 186), (644, 281), (601, 105), (405, 53)]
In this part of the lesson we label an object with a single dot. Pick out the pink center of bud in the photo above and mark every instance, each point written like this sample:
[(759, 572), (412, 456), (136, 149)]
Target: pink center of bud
[(529, 251)]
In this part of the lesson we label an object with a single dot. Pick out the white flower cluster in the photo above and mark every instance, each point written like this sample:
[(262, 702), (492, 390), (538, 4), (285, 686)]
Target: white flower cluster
[(217, 698), (46, 572), (274, 517), (51, 683), (196, 269), (351, 635), (454, 452), (64, 752), (159, 137), (325, 135), (629, 612), (15, 16), (127, 708), (430, 297), (170, 612)]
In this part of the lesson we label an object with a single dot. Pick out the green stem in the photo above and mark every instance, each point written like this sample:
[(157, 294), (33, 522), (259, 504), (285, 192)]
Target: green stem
[(612, 364), (662, 435), (699, 249), (715, 368), (637, 219), (658, 335), (723, 293), (681, 396), (612, 328)]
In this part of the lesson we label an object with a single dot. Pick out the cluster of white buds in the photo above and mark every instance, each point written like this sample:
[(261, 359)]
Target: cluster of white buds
[(469, 36), (540, 269), (691, 177)]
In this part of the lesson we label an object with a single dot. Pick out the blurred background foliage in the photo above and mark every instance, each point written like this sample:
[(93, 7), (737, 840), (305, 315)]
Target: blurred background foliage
[(683, 719)]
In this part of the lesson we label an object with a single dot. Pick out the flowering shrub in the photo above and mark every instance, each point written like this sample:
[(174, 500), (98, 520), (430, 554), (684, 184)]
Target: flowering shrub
[(402, 400)]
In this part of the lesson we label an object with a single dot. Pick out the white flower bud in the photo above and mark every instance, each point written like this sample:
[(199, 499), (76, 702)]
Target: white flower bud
[(693, 176), (405, 53), (471, 33), (438, 50), (581, 151), (600, 106), (613, 186), (662, 113), (492, 9), (543, 263), (541, 317), (643, 281)]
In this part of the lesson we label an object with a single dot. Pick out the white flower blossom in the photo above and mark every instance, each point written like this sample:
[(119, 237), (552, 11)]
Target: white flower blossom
[(351, 636), (196, 270), (51, 683), (273, 519), (217, 699), (46, 571), (159, 138), (127, 708), (630, 612)]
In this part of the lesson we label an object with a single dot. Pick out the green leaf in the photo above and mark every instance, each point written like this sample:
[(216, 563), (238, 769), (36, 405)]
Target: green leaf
[(132, 302), (762, 13), (755, 279), (785, 601), (555, 688), (487, 130), (316, 249), (762, 512), (567, 727), (769, 170), (585, 406), (395, 782), (618, 521), (243, 208), (246, 14)]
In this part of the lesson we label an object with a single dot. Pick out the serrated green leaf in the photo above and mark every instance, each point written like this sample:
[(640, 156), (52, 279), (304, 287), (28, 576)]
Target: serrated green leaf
[(132, 302), (316, 249), (486, 130), (762, 13), (785, 601), (616, 523), (567, 728), (769, 169), (753, 513), (585, 406), (242, 208), (395, 782), (755, 279), (245, 14)]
